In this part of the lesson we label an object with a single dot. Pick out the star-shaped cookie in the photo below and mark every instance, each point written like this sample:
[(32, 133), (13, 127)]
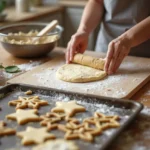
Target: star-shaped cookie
[(24, 116), (70, 108), (6, 131), (50, 120), (28, 102), (107, 121), (34, 136), (76, 132), (102, 121)]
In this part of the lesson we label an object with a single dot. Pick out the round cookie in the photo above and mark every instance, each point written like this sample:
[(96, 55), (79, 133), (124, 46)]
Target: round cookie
[(78, 73)]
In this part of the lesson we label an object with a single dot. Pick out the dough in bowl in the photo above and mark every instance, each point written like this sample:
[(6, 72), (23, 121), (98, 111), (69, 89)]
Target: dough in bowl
[(78, 73)]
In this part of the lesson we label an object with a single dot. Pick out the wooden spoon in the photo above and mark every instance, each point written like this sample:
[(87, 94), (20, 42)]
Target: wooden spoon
[(47, 29)]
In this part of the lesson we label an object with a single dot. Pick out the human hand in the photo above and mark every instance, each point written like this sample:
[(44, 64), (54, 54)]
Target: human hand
[(77, 44), (117, 50)]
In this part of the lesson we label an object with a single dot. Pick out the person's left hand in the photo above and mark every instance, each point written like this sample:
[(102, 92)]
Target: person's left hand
[(117, 50)]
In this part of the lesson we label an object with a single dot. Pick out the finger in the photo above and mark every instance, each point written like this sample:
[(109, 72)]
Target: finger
[(120, 59), (82, 47), (72, 49), (109, 56), (117, 51), (118, 63), (67, 57), (67, 54), (78, 49)]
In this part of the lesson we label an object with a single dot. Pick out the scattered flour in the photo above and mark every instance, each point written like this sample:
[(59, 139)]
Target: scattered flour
[(129, 70), (23, 67), (44, 79), (29, 66)]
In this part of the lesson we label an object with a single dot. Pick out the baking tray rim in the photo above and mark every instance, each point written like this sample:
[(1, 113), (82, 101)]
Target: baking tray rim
[(122, 100)]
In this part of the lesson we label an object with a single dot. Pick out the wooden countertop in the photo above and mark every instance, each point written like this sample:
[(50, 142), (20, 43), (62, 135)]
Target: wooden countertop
[(13, 16), (73, 3), (142, 96), (136, 136), (7, 60)]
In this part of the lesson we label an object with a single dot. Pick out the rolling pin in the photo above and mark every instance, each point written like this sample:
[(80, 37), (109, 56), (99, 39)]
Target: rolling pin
[(97, 63)]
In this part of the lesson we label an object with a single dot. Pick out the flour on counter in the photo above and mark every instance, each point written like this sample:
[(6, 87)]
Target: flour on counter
[(23, 67), (44, 78), (129, 74), (29, 66)]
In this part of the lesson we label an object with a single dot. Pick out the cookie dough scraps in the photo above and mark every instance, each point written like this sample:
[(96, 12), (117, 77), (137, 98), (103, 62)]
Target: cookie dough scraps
[(29, 92)]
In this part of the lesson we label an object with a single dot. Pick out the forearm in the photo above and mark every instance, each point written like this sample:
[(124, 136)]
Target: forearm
[(92, 15), (139, 33)]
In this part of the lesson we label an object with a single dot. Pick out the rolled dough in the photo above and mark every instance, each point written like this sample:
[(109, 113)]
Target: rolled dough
[(78, 73), (97, 63)]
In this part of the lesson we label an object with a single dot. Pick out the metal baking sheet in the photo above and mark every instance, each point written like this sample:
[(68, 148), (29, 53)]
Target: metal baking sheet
[(127, 110)]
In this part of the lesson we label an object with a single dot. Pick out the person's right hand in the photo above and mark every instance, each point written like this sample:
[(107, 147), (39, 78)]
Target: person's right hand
[(118, 49), (77, 44)]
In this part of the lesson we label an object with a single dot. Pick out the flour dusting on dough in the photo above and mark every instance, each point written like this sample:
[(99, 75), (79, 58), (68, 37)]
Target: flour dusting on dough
[(78, 73)]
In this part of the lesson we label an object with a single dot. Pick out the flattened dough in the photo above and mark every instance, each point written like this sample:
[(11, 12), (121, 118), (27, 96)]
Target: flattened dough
[(78, 73)]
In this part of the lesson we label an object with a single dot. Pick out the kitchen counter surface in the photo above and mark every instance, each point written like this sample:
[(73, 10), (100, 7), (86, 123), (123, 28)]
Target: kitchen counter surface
[(13, 16), (143, 95), (73, 3), (136, 137)]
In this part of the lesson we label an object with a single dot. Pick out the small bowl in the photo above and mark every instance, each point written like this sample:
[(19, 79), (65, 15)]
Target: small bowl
[(28, 50)]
